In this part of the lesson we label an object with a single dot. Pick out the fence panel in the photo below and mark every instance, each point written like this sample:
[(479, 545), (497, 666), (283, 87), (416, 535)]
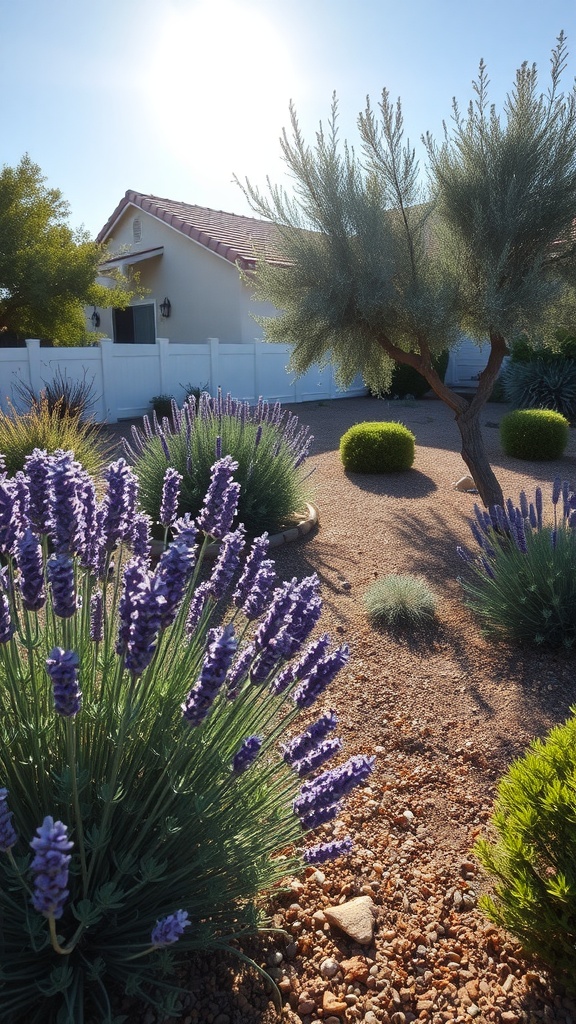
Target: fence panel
[(126, 377)]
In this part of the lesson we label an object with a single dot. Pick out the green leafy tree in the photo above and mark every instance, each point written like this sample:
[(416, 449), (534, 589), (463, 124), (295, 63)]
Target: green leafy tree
[(47, 271), (380, 268)]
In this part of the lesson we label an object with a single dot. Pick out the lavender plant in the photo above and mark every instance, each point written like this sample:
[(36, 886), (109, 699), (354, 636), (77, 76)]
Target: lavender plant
[(522, 582), (268, 444), (154, 781)]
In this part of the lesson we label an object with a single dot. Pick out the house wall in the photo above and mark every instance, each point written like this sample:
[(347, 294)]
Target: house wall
[(207, 295)]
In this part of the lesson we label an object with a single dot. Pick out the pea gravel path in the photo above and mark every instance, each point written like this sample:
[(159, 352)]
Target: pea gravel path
[(444, 712)]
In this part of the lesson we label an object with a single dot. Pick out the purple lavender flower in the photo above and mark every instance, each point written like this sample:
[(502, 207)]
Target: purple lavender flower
[(256, 556), (9, 526), (320, 816), (170, 495), (96, 617), (140, 539), (333, 785), (119, 503), (90, 532), (66, 508), (524, 508), (239, 670), (538, 497), (170, 929), (37, 469), (302, 667), (6, 624), (172, 575), (62, 667), (60, 571), (246, 754), (556, 490), (50, 867), (227, 563), (533, 517), (327, 851), (464, 554), (135, 579), (323, 752), (197, 605), (221, 501), (31, 567), (301, 745), (292, 614), (220, 649), (8, 836), (488, 568), (184, 530), (321, 676), (148, 608)]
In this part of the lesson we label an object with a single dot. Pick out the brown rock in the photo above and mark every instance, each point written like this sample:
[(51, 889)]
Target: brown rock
[(332, 1004), (355, 969), (355, 918)]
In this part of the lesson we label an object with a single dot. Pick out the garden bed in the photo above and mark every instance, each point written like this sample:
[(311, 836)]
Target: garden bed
[(444, 712)]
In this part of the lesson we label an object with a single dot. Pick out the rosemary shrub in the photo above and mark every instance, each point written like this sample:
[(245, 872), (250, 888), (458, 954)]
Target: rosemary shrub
[(150, 780)]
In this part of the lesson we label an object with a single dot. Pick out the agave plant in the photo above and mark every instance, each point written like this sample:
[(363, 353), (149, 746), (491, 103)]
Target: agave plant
[(150, 763)]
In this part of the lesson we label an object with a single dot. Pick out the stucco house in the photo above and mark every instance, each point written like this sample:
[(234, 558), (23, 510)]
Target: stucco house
[(187, 258)]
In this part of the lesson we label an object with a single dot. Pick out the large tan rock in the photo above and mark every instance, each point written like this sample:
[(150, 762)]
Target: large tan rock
[(465, 483), (356, 918)]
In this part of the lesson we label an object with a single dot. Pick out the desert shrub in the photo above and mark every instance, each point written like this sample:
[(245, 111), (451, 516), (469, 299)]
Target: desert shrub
[(194, 390), (521, 351), (538, 434), (523, 584), (540, 384), (268, 445), (400, 600), (377, 448), (42, 427), (69, 399), (407, 381), (146, 797), (533, 858), (162, 405)]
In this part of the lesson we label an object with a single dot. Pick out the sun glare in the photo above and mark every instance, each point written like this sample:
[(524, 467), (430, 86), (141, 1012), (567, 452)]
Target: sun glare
[(219, 85)]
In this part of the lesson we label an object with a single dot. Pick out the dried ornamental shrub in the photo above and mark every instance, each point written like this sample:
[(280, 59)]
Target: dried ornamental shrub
[(522, 585), (533, 858), (44, 428), (534, 434), (377, 448), (400, 599), (268, 445), (151, 785), (69, 398)]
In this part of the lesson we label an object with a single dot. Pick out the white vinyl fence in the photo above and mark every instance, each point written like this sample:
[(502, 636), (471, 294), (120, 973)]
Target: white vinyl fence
[(126, 377)]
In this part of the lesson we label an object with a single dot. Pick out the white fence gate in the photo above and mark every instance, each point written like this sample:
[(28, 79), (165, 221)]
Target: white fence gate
[(126, 377)]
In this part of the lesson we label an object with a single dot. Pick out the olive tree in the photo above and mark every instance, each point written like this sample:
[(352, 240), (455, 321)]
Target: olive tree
[(384, 265)]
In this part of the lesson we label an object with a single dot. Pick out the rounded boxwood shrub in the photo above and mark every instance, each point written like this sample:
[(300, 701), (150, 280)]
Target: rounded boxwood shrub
[(534, 855), (377, 448), (534, 434)]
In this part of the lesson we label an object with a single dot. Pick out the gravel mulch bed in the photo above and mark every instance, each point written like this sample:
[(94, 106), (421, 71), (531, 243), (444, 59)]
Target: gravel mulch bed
[(444, 712)]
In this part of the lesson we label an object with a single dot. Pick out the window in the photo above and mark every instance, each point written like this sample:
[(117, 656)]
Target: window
[(135, 325), (137, 229)]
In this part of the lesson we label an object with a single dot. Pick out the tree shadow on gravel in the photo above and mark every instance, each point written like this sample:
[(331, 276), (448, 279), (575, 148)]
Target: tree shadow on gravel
[(412, 484)]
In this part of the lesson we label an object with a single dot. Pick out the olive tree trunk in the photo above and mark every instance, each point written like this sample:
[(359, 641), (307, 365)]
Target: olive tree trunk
[(467, 412)]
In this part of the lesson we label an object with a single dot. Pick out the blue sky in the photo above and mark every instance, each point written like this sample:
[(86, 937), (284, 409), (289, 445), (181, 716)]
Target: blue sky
[(173, 97)]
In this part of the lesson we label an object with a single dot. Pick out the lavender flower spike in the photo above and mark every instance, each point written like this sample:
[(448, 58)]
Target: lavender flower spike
[(320, 677), (246, 754), (333, 785), (62, 667), (7, 627), (60, 570), (170, 929), (96, 617), (222, 645), (170, 496), (301, 745), (50, 868), (8, 836), (221, 501), (327, 851), (29, 560)]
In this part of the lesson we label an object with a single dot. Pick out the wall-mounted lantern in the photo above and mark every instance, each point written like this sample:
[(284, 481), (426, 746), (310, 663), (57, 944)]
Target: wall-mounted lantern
[(165, 308), (95, 318)]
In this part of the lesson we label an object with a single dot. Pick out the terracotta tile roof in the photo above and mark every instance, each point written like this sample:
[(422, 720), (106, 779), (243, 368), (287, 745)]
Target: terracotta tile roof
[(231, 236)]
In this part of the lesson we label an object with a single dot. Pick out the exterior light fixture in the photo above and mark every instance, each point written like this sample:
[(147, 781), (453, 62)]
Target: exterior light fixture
[(95, 318), (165, 308)]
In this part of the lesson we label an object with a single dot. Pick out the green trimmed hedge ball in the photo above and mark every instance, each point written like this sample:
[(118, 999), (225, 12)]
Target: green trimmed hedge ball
[(539, 434), (377, 448)]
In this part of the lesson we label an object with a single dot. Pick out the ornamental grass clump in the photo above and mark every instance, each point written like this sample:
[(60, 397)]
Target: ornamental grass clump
[(154, 782), (533, 856), (522, 584), (400, 599), (268, 445), (44, 427)]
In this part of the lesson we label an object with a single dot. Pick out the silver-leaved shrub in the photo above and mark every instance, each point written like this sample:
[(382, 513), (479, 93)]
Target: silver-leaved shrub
[(153, 783)]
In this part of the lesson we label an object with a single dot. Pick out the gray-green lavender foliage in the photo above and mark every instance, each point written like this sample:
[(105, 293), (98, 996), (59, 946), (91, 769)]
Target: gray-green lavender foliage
[(147, 803)]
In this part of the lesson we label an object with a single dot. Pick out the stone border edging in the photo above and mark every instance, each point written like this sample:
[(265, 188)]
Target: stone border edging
[(285, 537)]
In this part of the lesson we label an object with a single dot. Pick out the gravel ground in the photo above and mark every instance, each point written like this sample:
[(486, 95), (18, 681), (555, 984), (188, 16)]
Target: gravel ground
[(444, 712)]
